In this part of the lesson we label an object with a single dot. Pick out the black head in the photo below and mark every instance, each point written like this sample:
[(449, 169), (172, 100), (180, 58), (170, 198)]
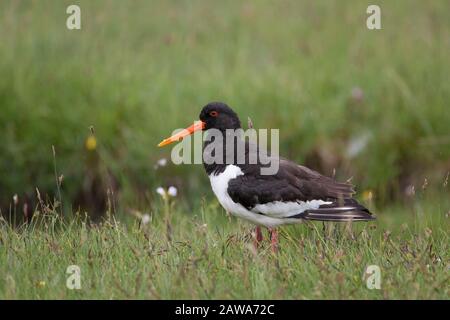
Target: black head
[(218, 115), (215, 115)]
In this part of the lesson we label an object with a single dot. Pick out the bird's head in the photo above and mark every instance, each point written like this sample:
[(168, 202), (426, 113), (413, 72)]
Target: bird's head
[(215, 115)]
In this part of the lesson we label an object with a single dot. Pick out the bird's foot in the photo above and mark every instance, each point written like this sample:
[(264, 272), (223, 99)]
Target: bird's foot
[(258, 237), (274, 239)]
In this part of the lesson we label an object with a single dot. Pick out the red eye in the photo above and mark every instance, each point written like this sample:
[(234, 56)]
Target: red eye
[(213, 113)]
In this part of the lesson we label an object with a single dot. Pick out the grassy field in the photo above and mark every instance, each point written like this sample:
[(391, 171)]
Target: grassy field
[(136, 71), (87, 107), (209, 255)]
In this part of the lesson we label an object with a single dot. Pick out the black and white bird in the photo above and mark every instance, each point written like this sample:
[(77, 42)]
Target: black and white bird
[(293, 194)]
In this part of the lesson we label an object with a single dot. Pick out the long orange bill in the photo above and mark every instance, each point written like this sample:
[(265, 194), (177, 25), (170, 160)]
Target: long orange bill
[(199, 125)]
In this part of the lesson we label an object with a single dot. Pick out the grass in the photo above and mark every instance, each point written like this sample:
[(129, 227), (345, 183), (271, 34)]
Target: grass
[(212, 256)]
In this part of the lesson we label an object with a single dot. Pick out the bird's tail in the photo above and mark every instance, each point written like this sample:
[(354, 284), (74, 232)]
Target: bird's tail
[(338, 211)]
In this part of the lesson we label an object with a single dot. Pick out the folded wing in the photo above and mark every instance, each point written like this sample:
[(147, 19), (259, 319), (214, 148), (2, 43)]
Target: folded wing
[(296, 192)]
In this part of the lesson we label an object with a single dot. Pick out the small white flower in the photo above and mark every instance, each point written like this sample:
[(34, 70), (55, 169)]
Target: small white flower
[(16, 199), (162, 162), (161, 191), (145, 218), (172, 191)]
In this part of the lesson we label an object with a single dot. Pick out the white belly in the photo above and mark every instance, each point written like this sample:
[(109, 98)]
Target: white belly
[(271, 214)]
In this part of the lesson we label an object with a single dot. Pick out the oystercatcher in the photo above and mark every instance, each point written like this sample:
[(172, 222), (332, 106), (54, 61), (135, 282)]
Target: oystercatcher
[(293, 194)]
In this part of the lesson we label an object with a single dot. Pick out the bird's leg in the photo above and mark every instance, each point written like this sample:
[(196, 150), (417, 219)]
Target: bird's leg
[(258, 237), (274, 239)]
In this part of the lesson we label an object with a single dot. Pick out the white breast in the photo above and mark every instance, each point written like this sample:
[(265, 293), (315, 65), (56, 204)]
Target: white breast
[(219, 184)]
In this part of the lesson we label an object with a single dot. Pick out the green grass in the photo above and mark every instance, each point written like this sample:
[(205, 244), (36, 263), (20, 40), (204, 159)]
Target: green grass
[(211, 255), (139, 69)]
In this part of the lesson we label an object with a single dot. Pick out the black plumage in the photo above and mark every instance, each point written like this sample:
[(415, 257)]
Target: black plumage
[(292, 182)]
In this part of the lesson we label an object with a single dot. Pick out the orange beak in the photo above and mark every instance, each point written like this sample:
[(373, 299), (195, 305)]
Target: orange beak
[(199, 125)]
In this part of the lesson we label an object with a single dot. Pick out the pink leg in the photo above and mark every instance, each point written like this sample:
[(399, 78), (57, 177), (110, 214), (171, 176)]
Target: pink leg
[(274, 239), (258, 237)]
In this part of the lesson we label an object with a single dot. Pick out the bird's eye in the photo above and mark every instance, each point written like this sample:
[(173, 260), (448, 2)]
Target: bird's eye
[(213, 113)]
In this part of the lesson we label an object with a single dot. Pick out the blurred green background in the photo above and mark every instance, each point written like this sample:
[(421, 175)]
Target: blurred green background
[(374, 105)]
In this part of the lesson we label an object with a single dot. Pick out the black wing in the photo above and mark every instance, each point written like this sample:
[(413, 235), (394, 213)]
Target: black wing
[(297, 183)]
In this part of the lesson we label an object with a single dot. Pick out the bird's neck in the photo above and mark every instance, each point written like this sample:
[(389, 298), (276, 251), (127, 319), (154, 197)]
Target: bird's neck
[(220, 149)]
